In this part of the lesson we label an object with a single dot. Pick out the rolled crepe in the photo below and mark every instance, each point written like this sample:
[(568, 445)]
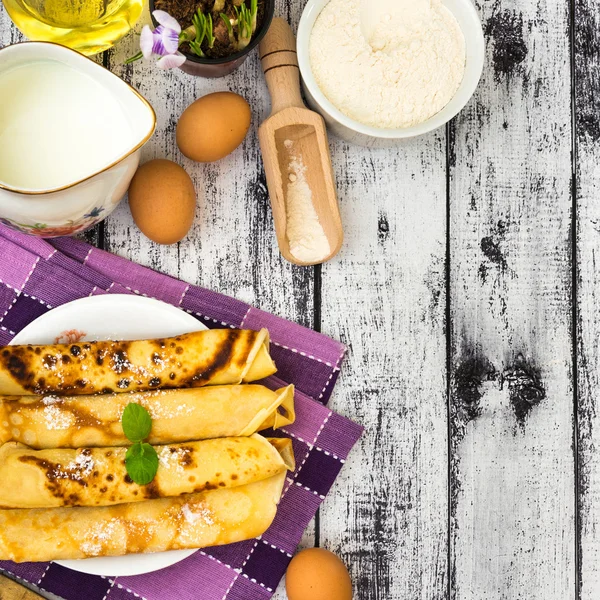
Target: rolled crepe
[(210, 518), (177, 416), (98, 477), (212, 357)]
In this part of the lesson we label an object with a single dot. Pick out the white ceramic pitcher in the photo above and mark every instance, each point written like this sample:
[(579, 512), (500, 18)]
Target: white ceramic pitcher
[(75, 207)]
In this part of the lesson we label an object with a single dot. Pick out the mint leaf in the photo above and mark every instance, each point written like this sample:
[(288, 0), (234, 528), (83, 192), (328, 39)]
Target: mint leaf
[(136, 422), (141, 462)]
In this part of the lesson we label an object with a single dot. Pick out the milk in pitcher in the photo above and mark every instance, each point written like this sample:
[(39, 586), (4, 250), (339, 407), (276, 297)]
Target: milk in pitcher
[(58, 126)]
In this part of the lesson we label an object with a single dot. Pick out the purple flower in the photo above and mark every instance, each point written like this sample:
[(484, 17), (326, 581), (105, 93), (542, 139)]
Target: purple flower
[(163, 41)]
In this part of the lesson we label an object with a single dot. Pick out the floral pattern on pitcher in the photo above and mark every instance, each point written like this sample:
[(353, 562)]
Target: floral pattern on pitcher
[(69, 228)]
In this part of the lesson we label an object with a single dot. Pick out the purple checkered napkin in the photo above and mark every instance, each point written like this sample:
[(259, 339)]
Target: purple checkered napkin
[(37, 275)]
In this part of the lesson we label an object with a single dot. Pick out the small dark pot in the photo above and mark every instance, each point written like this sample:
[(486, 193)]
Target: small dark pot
[(219, 67)]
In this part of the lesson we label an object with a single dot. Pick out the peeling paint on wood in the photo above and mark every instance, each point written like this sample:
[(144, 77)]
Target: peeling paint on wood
[(504, 28), (9, 34), (385, 296), (512, 499), (232, 246), (586, 54), (525, 387), (469, 376)]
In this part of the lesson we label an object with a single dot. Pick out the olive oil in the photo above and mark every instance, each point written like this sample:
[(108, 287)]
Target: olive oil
[(89, 26)]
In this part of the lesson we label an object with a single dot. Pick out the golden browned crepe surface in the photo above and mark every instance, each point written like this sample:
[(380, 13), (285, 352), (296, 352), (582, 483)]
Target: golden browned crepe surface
[(98, 476), (212, 357), (177, 416), (210, 518), (65, 492)]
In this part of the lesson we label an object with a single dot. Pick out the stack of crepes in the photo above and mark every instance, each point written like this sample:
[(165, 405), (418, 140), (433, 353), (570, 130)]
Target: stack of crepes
[(64, 488)]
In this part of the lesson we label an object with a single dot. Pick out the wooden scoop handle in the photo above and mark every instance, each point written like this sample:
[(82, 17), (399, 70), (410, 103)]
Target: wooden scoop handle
[(280, 65)]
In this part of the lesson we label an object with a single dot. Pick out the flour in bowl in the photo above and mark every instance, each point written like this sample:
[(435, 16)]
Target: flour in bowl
[(407, 71)]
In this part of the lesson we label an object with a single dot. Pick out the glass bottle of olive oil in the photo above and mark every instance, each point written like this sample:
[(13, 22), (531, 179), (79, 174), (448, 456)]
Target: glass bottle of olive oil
[(89, 26)]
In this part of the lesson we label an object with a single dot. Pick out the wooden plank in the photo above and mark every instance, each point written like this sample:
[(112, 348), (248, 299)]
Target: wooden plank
[(292, 10), (587, 136), (11, 590), (384, 296), (512, 467), (232, 247), (9, 34), (33, 588)]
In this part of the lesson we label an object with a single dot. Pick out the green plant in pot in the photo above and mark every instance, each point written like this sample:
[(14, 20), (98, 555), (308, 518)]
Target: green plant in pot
[(210, 38)]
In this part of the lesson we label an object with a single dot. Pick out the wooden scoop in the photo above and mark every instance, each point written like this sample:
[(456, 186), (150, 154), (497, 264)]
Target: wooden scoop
[(292, 133)]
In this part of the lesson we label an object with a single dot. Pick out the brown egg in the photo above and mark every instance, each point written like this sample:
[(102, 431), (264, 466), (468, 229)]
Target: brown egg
[(162, 200), (317, 574), (213, 126)]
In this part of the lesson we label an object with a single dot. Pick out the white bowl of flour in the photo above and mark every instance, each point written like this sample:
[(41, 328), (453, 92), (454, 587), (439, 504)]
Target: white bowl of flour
[(404, 77)]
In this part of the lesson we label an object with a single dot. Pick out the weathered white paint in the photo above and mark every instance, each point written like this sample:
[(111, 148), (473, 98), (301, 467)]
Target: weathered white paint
[(384, 296), (9, 34), (512, 483), (231, 247), (587, 94)]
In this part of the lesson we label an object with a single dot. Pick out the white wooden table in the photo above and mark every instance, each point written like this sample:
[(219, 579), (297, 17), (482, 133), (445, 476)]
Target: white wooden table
[(467, 291)]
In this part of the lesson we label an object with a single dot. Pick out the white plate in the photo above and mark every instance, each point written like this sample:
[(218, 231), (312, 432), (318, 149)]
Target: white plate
[(114, 317)]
